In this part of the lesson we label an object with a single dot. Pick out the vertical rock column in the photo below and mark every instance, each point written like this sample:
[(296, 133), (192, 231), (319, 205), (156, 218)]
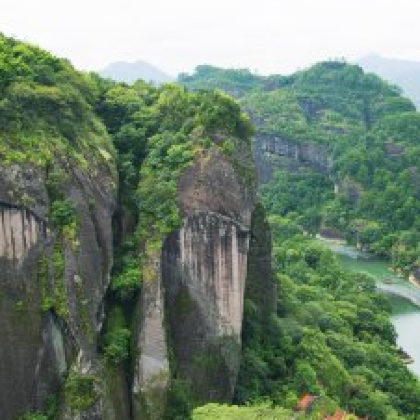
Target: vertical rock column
[(204, 272), (152, 366), (213, 254), (200, 275), (19, 231)]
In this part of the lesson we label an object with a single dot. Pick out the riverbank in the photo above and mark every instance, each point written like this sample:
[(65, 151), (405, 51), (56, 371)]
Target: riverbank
[(340, 246), (404, 296)]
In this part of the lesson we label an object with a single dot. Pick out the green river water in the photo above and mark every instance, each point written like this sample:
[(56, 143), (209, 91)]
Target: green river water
[(404, 297)]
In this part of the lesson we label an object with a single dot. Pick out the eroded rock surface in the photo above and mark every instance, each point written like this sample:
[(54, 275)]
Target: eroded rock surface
[(40, 341), (203, 269), (273, 152)]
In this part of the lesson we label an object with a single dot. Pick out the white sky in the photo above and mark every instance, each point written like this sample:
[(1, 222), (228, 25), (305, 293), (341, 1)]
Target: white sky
[(271, 36)]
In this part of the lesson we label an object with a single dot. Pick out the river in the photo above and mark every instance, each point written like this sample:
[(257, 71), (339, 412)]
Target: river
[(404, 297)]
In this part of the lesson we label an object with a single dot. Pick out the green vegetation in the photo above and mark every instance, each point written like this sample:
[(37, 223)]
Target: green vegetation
[(235, 82), (48, 121), (62, 213), (121, 302), (46, 110), (158, 132), (259, 411), (288, 194), (50, 413), (51, 281), (331, 336), (34, 416), (225, 412), (126, 273), (80, 391), (116, 340), (372, 135)]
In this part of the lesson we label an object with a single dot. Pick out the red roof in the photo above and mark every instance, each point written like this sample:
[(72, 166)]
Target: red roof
[(305, 402)]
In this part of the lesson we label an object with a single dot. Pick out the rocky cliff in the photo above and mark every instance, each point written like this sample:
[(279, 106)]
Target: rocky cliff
[(52, 284), (275, 152), (57, 196), (192, 310), (65, 216)]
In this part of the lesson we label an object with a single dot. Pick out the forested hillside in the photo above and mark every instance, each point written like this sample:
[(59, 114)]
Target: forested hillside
[(365, 131)]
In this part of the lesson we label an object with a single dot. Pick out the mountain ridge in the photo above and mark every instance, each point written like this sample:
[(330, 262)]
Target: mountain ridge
[(129, 72)]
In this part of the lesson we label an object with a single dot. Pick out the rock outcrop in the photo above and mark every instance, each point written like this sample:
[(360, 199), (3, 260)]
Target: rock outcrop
[(272, 152), (21, 230), (51, 287), (177, 293), (202, 270)]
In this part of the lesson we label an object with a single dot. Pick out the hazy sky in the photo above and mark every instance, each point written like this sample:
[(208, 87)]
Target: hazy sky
[(271, 36)]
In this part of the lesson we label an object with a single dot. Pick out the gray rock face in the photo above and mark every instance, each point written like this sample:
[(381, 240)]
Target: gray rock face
[(24, 184), (393, 149), (32, 345), (28, 363), (202, 270), (349, 189), (38, 345), (151, 377), (213, 257), (261, 285), (192, 308), (273, 152), (205, 265), (21, 230)]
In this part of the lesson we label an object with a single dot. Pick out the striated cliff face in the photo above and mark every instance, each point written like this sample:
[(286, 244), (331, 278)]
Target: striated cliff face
[(27, 357), (51, 285), (210, 252), (192, 311), (21, 230), (53, 281)]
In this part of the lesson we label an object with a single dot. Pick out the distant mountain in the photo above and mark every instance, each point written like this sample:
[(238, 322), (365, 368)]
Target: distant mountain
[(122, 71), (403, 73)]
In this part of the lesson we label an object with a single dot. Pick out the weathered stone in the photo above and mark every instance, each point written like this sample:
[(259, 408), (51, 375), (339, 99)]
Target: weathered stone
[(202, 273), (37, 347), (261, 286), (275, 152), (20, 231), (151, 376)]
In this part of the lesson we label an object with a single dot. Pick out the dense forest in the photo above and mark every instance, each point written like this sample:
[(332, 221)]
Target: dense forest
[(332, 336)]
